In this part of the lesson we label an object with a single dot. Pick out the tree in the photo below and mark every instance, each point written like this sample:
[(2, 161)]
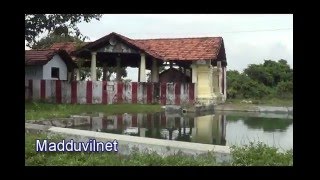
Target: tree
[(66, 24), (270, 79), (48, 41), (259, 74), (270, 73), (285, 89)]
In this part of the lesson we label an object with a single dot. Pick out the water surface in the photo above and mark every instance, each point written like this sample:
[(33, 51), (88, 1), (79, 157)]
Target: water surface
[(219, 128)]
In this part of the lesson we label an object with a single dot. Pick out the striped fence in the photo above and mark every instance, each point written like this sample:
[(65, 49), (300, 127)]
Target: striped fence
[(103, 92)]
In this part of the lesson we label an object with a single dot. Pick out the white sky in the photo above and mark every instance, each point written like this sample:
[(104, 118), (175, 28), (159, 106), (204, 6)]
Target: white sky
[(248, 39)]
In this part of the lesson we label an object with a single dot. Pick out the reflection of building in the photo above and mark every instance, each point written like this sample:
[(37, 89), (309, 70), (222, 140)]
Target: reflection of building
[(209, 129)]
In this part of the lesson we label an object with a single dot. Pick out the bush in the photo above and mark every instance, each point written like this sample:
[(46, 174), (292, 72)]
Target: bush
[(284, 89), (260, 155), (268, 80)]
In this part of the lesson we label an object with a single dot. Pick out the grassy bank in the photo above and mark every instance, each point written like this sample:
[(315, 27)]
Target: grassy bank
[(37, 110), (254, 154), (265, 102), (239, 105)]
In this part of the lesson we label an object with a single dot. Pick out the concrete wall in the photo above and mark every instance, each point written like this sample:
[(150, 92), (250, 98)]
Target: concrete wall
[(126, 144), (102, 92), (33, 72), (56, 61)]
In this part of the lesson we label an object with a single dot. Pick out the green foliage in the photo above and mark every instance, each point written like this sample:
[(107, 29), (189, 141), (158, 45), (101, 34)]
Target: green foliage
[(270, 79), (48, 41), (260, 155), (250, 155), (62, 24), (284, 89)]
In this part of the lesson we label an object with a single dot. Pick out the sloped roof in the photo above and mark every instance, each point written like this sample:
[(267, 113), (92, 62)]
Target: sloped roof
[(38, 57), (202, 48), (185, 49), (67, 46), (41, 57)]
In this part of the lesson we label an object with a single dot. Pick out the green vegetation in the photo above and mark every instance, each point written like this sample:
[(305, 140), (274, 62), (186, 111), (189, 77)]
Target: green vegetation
[(260, 155), (262, 101), (36, 24), (38, 110), (107, 159), (251, 155), (270, 80)]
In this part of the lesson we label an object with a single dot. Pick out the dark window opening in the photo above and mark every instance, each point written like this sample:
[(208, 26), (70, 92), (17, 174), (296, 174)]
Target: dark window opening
[(55, 72)]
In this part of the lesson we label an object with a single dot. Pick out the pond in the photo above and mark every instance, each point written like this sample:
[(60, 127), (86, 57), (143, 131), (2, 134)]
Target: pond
[(232, 128)]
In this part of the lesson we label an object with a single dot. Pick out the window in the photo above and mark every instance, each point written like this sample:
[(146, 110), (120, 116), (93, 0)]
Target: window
[(55, 72)]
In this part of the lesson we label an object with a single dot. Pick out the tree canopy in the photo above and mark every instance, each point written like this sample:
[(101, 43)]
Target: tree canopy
[(61, 24), (270, 79), (48, 41)]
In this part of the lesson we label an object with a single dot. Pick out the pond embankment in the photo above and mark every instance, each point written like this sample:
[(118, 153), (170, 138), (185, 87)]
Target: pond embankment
[(253, 108)]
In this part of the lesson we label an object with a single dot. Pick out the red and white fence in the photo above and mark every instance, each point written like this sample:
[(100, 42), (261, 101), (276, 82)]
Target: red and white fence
[(103, 92)]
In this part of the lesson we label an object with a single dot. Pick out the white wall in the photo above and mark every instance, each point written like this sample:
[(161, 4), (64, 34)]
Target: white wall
[(56, 61), (33, 72)]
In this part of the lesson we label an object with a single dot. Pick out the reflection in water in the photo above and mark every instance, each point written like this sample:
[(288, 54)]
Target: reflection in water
[(219, 129), (208, 129)]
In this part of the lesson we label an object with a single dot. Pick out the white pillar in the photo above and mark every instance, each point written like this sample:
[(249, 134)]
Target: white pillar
[(220, 76), (195, 79), (93, 66), (143, 68), (154, 71), (194, 73), (77, 74), (225, 81), (118, 78)]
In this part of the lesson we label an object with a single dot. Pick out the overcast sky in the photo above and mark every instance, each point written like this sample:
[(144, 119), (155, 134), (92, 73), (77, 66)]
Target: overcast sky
[(248, 38)]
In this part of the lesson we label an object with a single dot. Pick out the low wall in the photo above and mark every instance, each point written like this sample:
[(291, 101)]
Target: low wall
[(103, 92), (129, 143)]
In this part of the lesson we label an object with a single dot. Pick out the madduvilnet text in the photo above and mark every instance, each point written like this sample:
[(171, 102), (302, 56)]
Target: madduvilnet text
[(71, 146)]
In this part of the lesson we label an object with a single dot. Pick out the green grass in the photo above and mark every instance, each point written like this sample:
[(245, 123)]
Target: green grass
[(33, 158), (267, 102), (38, 111), (251, 155)]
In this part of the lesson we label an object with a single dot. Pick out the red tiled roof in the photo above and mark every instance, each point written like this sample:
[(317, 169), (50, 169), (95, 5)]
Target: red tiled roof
[(184, 48), (201, 48), (41, 57), (141, 46), (67, 46), (35, 57)]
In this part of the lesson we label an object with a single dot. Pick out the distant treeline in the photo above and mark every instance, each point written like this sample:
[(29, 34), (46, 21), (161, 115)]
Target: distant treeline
[(272, 79)]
